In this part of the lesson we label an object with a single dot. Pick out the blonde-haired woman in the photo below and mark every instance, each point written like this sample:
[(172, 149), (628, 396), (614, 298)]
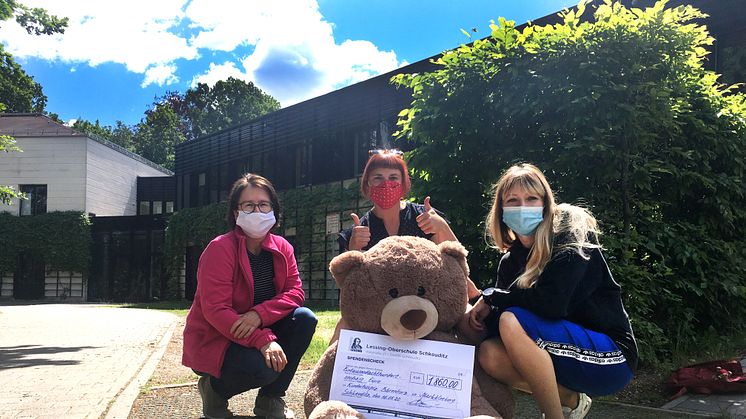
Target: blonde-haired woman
[(555, 323)]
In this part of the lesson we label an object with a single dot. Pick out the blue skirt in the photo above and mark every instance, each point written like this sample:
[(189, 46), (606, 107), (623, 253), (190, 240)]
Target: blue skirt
[(584, 360)]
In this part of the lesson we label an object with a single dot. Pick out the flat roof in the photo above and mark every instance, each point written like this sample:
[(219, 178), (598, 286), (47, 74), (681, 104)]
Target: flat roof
[(22, 125)]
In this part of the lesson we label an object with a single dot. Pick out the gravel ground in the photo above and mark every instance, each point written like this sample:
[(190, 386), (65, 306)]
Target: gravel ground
[(161, 400)]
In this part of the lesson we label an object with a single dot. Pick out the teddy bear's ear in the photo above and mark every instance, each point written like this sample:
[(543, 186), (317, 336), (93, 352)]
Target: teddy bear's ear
[(455, 249), (341, 265)]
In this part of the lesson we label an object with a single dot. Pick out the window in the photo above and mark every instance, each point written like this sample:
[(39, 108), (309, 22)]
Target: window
[(144, 208), (169, 207), (157, 207), (36, 199), (202, 190)]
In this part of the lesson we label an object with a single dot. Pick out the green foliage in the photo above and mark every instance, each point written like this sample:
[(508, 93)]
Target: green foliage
[(178, 117), (121, 134), (206, 110), (190, 227), (8, 193), (34, 20), (158, 134), (734, 66), (62, 239), (198, 226), (623, 118), (18, 91)]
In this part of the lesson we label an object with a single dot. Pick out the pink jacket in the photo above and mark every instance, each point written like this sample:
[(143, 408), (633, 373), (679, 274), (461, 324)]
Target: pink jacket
[(225, 290)]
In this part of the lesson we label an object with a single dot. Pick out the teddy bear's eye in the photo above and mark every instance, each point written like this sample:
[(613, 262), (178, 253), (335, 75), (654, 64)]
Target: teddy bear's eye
[(393, 292), (420, 291)]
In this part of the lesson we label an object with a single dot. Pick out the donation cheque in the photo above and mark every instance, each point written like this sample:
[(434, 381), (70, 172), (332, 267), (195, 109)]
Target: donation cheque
[(383, 377)]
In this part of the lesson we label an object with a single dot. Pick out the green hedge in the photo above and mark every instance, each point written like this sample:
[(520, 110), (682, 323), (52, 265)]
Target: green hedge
[(622, 116)]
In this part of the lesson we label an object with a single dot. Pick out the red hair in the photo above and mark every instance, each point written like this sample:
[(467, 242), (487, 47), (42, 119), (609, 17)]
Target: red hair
[(388, 160)]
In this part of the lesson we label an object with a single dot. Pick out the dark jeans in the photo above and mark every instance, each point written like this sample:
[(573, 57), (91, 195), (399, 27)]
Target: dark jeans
[(245, 369)]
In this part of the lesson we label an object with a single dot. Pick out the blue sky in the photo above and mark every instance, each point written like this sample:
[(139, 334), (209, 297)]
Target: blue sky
[(116, 57)]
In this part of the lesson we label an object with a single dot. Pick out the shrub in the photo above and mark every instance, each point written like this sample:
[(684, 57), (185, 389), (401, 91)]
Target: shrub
[(622, 116)]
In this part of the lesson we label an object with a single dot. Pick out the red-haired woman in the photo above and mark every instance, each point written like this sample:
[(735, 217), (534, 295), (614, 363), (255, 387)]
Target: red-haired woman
[(385, 182)]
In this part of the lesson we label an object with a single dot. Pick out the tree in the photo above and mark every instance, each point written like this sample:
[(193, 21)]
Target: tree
[(8, 144), (121, 134), (202, 110), (18, 91), (35, 20), (93, 129), (622, 116), (158, 134), (205, 110)]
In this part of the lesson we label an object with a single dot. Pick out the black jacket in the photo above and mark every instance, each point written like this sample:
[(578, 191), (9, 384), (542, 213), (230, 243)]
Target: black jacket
[(570, 287)]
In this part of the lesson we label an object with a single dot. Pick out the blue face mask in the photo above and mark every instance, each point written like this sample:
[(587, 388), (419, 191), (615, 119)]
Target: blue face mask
[(523, 220)]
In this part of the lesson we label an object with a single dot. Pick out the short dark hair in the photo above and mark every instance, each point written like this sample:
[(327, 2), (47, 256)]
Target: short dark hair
[(251, 179)]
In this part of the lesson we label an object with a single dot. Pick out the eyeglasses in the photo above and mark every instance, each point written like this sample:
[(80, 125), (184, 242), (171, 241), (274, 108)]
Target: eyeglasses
[(394, 151), (249, 207)]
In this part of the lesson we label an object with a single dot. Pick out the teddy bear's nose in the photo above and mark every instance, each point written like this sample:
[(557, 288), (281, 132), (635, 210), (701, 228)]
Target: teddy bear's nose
[(413, 319)]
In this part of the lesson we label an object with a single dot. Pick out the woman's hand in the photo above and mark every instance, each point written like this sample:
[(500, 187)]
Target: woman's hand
[(246, 324), (274, 356), (477, 314), (360, 234), (432, 223)]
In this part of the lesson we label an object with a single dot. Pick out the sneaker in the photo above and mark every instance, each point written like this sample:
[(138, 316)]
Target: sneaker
[(584, 405), (214, 406), (272, 408)]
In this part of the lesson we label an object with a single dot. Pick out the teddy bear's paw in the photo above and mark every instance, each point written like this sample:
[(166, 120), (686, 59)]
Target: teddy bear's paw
[(334, 409)]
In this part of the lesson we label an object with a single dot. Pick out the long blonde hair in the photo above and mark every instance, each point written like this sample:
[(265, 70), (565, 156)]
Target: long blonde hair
[(578, 223)]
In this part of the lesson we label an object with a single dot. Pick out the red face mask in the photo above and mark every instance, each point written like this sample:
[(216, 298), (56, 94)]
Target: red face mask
[(386, 195)]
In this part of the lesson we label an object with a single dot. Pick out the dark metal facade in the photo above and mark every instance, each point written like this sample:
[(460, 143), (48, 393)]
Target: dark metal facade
[(126, 259), (321, 140)]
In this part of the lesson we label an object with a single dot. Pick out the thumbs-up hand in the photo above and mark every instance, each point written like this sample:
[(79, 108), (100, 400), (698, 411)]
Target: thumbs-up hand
[(429, 221), (360, 234)]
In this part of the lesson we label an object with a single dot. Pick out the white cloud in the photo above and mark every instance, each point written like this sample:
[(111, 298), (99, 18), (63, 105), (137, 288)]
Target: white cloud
[(219, 72), (160, 74), (293, 54), (133, 33)]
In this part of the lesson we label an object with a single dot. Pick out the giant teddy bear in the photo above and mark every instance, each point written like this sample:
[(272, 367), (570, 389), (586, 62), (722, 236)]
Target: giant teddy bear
[(409, 288)]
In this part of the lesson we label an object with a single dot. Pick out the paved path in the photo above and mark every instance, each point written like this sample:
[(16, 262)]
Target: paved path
[(76, 361)]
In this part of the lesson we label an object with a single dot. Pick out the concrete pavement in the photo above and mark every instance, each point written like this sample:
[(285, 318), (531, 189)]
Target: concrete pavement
[(77, 361)]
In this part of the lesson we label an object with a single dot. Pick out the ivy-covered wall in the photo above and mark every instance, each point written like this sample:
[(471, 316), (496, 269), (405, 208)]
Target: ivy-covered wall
[(57, 242), (313, 217), (61, 238)]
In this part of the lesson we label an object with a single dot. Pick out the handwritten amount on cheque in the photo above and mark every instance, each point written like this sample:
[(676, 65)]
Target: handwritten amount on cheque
[(361, 382)]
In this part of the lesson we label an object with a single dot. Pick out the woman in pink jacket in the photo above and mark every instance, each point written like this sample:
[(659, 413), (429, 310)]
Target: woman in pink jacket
[(247, 328)]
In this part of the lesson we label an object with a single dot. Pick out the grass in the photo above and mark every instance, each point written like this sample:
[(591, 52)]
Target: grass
[(324, 330)]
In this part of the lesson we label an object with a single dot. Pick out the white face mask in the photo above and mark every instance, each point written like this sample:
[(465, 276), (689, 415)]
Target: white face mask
[(256, 224)]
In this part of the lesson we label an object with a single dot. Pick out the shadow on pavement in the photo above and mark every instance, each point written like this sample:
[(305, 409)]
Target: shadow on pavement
[(23, 356)]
